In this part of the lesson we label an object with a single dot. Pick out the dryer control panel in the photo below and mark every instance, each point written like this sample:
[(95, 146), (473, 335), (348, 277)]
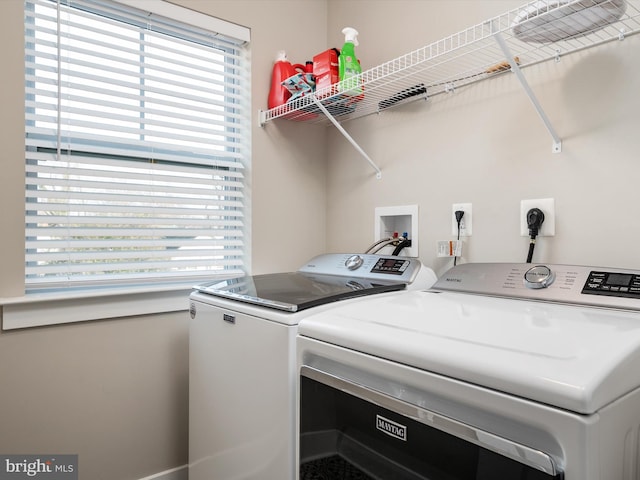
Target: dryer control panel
[(572, 284), (613, 284)]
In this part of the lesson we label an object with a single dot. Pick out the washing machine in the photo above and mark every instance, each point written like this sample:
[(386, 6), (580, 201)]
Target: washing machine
[(242, 367), (499, 371)]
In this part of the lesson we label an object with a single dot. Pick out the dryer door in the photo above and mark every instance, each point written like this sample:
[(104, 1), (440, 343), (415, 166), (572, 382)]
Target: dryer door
[(366, 434)]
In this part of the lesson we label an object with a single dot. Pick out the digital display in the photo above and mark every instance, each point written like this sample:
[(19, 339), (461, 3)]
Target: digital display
[(619, 279), (391, 266), (613, 284)]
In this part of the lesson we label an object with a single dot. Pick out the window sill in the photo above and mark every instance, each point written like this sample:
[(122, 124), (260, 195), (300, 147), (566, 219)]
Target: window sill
[(40, 309)]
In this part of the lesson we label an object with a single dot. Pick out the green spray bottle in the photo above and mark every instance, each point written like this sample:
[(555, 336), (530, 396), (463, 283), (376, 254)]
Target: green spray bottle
[(348, 65)]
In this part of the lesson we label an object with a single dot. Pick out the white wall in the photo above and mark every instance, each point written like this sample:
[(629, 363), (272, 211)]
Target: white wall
[(12, 138), (485, 144), (114, 392)]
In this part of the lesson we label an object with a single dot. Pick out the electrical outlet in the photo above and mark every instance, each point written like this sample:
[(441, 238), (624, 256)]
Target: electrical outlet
[(465, 223), (547, 205)]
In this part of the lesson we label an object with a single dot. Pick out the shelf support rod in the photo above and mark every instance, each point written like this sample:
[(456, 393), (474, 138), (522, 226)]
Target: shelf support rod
[(515, 68), (347, 136)]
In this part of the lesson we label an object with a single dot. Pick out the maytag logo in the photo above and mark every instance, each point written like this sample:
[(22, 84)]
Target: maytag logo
[(392, 428), (51, 467), (457, 280)]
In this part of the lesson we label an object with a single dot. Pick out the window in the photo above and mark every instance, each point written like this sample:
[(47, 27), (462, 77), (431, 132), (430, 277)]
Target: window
[(137, 135)]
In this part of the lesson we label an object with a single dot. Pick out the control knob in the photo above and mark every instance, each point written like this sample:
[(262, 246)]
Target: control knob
[(539, 276), (354, 262)]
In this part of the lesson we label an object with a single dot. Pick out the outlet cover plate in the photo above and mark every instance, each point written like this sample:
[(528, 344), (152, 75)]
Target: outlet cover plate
[(547, 205)]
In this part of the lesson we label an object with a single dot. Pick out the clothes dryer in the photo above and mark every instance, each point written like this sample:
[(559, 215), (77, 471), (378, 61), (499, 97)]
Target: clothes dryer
[(507, 371)]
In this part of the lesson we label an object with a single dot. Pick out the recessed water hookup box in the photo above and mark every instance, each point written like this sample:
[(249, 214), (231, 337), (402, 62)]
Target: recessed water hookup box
[(400, 219)]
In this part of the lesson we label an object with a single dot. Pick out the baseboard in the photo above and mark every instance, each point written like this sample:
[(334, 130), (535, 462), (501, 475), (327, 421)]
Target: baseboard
[(179, 473)]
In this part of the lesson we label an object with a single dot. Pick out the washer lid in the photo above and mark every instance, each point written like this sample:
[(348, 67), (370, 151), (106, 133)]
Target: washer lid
[(324, 279), (295, 291), (577, 358)]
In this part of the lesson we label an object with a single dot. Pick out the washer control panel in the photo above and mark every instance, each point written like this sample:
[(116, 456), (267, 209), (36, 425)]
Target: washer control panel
[(613, 284), (362, 265)]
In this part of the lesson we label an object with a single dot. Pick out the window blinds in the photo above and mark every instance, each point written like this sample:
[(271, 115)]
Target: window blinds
[(137, 134)]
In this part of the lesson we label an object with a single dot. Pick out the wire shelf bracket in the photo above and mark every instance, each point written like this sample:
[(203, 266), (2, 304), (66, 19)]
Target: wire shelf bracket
[(263, 118), (347, 136), (515, 68)]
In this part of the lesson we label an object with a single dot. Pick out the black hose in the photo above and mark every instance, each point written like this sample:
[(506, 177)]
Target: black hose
[(403, 243)]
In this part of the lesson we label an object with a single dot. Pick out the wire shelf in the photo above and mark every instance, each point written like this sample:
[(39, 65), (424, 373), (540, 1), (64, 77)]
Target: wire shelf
[(553, 28)]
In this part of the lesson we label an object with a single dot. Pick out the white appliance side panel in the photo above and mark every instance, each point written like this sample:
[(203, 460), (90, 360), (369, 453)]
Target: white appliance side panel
[(241, 400), (569, 438)]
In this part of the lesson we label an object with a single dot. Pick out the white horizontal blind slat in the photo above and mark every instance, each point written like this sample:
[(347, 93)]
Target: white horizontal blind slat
[(137, 133), (46, 139)]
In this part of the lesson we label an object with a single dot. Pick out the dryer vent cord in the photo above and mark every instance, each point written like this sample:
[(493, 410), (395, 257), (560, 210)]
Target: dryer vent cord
[(535, 218)]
